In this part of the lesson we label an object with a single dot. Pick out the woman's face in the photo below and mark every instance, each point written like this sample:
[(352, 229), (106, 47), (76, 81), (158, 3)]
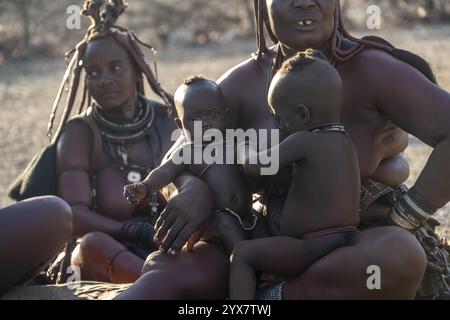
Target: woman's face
[(302, 24), (111, 76)]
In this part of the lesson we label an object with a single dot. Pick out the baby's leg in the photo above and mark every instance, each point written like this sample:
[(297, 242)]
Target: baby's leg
[(224, 229), (283, 256)]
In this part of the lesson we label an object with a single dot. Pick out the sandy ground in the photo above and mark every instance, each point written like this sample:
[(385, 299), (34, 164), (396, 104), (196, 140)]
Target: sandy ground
[(27, 90)]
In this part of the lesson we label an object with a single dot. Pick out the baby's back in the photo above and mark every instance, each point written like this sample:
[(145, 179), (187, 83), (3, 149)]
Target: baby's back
[(325, 188)]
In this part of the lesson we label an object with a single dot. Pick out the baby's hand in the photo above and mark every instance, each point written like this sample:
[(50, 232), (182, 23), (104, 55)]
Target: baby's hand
[(135, 192)]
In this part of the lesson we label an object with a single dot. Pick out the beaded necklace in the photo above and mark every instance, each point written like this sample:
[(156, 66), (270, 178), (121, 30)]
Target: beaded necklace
[(118, 137)]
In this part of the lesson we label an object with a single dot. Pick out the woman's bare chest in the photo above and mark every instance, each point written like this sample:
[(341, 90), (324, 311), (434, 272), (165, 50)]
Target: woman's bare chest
[(121, 164)]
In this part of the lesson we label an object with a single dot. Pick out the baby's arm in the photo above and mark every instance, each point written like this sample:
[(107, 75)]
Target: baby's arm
[(157, 179), (279, 156), (291, 149), (163, 176)]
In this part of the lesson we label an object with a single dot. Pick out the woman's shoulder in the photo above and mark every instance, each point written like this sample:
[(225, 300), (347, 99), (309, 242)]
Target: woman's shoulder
[(74, 144), (374, 61), (243, 69), (248, 69), (253, 73), (77, 131), (378, 68), (75, 138)]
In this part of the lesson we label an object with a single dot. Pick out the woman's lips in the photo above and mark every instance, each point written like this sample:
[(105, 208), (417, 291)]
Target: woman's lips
[(305, 24), (107, 95)]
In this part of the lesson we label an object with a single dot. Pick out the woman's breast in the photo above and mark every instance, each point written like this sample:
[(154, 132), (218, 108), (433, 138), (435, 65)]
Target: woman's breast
[(109, 194), (379, 145)]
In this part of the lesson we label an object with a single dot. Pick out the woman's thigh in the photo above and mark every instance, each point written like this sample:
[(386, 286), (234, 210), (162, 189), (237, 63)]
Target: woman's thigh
[(343, 274), (352, 272), (201, 274), (31, 233)]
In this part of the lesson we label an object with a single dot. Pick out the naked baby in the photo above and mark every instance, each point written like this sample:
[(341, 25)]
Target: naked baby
[(200, 102), (321, 209)]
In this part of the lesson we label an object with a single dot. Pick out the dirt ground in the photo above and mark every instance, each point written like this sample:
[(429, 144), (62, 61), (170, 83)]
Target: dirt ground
[(27, 90)]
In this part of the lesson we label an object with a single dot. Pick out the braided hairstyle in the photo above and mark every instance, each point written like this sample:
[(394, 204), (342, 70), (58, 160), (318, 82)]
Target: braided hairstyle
[(194, 79), (103, 15), (301, 60)]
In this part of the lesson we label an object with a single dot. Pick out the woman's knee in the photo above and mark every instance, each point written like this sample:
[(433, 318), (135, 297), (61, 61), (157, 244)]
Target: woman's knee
[(199, 275), (154, 260), (164, 272), (408, 259), (346, 272), (93, 243), (55, 213), (48, 219), (90, 256), (61, 214)]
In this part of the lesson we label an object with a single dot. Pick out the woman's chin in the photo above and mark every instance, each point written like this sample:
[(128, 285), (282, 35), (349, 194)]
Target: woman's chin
[(303, 47), (306, 42), (111, 104)]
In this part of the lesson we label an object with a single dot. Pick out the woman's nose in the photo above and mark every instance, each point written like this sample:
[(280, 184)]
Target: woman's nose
[(105, 80), (304, 4)]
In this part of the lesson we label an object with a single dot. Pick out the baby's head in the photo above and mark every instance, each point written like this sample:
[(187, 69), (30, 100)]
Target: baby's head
[(200, 99), (305, 92)]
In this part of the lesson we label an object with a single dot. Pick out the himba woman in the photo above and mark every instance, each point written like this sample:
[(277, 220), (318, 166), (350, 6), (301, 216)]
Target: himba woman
[(116, 140)]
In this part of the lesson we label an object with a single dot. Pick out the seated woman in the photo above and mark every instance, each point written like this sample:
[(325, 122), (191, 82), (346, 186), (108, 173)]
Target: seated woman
[(117, 140), (31, 233), (388, 93)]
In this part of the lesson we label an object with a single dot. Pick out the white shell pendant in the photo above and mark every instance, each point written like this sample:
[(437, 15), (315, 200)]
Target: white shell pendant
[(134, 177)]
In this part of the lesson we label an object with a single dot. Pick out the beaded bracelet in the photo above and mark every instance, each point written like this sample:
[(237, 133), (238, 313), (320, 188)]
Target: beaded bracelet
[(421, 202)]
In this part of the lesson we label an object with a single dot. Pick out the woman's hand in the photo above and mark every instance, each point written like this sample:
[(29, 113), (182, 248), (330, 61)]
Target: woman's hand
[(185, 216), (135, 192)]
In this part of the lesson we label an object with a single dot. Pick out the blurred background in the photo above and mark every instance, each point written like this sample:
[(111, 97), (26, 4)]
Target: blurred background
[(31, 28), (192, 36)]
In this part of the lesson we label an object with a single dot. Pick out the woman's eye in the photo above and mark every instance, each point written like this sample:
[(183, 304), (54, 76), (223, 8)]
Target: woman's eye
[(92, 74), (214, 115), (117, 68)]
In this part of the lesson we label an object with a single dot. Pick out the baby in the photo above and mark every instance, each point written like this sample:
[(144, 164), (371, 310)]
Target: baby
[(200, 101), (321, 209)]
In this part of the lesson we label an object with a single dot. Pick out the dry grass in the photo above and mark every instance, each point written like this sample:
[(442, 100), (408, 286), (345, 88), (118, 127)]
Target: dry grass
[(27, 90)]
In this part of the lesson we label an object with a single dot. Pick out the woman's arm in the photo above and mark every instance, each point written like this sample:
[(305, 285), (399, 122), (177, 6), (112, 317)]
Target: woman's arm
[(73, 154), (422, 109)]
